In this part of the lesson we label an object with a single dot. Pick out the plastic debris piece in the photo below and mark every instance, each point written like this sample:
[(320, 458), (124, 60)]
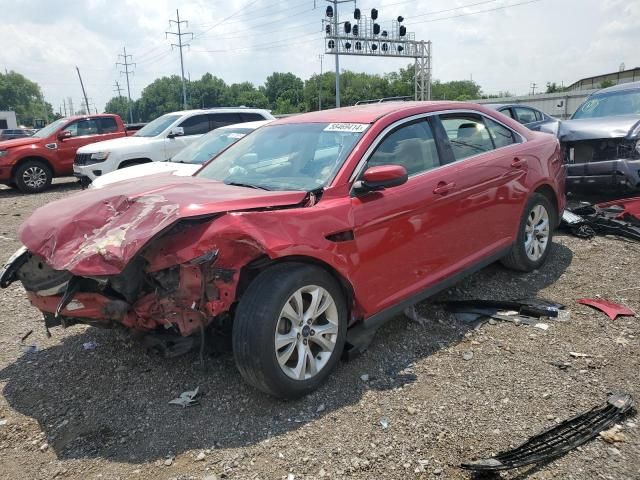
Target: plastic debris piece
[(579, 355), (384, 422), (611, 309), (560, 439), (29, 348), (186, 399), (89, 346)]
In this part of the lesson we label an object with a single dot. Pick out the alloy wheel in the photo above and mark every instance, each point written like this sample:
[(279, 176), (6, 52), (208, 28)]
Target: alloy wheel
[(306, 332), (34, 177), (536, 232)]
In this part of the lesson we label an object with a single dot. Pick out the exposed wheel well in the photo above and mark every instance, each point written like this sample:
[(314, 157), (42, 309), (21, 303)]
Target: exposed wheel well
[(133, 161), (250, 271), (37, 159)]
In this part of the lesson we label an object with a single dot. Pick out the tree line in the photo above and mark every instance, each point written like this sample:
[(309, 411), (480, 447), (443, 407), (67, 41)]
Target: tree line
[(21, 95), (282, 92)]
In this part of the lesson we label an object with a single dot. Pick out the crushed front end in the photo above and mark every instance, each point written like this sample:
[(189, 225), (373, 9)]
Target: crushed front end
[(607, 162)]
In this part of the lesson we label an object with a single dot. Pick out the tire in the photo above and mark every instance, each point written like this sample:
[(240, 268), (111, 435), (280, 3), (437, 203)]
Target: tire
[(261, 319), (524, 256), (33, 176)]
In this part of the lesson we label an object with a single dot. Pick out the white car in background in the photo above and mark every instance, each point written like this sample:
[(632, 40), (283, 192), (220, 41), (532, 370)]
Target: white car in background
[(188, 160), (157, 141)]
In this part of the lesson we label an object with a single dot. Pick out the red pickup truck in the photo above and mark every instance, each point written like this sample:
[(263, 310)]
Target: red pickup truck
[(30, 164)]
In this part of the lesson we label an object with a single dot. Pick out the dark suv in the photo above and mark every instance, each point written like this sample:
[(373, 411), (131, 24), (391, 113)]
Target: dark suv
[(9, 134)]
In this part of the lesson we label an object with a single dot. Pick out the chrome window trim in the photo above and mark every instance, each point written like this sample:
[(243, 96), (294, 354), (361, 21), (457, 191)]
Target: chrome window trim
[(367, 154)]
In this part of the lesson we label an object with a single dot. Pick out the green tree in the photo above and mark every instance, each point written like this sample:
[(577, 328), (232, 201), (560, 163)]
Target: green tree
[(553, 87), (286, 87), (255, 99), (161, 96), (209, 92), (119, 106), (21, 95), (455, 90), (607, 83)]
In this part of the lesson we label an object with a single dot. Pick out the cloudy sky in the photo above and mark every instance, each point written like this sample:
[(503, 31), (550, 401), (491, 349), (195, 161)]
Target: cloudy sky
[(501, 44)]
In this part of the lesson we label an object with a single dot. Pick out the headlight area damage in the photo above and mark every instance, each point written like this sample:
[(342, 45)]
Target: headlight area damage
[(145, 263)]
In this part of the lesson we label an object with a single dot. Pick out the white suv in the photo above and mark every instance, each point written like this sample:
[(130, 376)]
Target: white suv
[(157, 141)]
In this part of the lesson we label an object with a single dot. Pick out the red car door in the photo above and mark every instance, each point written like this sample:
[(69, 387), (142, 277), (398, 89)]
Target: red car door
[(404, 235), (490, 179), (83, 132)]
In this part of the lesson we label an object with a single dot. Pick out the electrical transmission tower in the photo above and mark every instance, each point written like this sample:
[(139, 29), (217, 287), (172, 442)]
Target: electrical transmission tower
[(117, 88), (180, 45), (126, 64)]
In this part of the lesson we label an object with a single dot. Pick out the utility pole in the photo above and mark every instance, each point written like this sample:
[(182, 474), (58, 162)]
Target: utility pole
[(180, 45), (83, 91), (71, 110), (64, 103), (320, 56), (533, 88), (117, 88), (126, 64)]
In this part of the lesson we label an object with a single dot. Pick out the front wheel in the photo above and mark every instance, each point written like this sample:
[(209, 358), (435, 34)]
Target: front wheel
[(535, 234), (289, 329), (33, 176)]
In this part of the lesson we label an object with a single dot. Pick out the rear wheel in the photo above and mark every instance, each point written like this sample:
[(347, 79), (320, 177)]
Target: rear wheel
[(289, 329), (33, 176), (535, 234)]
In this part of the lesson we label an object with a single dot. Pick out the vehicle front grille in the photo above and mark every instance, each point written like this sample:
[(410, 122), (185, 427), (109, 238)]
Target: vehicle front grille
[(587, 151), (82, 159)]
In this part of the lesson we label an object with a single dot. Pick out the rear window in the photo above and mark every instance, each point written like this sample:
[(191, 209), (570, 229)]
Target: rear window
[(251, 117), (108, 125), (222, 119)]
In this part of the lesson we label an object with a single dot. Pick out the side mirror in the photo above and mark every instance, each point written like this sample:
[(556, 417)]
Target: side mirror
[(381, 177), (176, 132), (64, 135)]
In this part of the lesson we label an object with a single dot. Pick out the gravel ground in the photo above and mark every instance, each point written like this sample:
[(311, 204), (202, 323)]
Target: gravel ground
[(66, 412)]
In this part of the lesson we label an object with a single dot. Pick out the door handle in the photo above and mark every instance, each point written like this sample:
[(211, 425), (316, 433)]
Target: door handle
[(443, 188), (518, 162)]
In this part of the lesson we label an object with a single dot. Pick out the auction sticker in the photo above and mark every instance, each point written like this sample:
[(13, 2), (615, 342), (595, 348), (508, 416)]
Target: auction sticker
[(346, 127)]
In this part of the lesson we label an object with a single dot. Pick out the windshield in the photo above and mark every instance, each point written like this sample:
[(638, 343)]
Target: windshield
[(156, 127), (625, 102), (303, 156), (209, 145), (49, 129)]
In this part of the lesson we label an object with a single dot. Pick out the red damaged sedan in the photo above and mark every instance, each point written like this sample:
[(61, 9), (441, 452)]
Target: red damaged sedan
[(302, 238)]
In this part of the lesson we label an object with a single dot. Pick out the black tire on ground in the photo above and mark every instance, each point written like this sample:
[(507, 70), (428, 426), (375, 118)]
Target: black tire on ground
[(256, 320), (517, 258), (33, 176)]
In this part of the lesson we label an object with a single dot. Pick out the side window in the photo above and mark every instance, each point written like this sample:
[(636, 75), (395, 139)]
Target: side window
[(411, 146), (108, 125), (467, 134), (501, 135), (251, 117), (507, 112), (218, 120), (196, 125), (525, 115), (80, 128), (539, 116)]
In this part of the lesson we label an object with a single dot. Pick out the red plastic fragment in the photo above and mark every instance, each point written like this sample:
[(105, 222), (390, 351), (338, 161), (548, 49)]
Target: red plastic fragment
[(610, 308)]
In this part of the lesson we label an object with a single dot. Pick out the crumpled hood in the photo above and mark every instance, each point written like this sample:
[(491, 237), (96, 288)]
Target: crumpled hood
[(97, 232), (116, 143), (596, 128), (19, 142)]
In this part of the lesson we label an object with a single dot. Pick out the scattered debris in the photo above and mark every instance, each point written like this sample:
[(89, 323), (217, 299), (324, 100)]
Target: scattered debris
[(321, 408), (619, 217), (3, 422), (611, 309), (26, 335), (613, 435), (186, 399), (412, 410), (580, 355), (89, 346), (365, 377), (560, 439), (384, 422), (201, 456), (467, 355), (526, 312), (29, 348), (168, 462)]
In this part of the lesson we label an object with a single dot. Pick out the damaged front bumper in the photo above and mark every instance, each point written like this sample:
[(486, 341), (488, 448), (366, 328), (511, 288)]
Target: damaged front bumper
[(620, 173), (180, 299)]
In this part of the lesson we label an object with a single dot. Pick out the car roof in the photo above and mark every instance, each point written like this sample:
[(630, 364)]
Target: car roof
[(619, 87), (248, 125), (371, 112), (218, 109), (496, 106)]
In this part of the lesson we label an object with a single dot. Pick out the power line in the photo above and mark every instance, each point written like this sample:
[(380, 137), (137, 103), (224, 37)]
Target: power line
[(226, 18), (126, 64), (239, 16), (180, 45), (475, 13)]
